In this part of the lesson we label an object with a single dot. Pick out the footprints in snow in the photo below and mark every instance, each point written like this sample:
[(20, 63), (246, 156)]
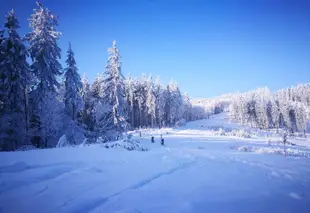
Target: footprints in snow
[(99, 201)]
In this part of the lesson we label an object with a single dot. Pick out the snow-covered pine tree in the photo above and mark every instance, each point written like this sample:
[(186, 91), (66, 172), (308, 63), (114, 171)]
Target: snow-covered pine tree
[(94, 112), (233, 108), (141, 93), (261, 108), (114, 89), (167, 108), (45, 55), (275, 114), (292, 112), (86, 97), (96, 87), (187, 107), (159, 102), (2, 71), (176, 103), (151, 101), (85, 87), (130, 97), (137, 102), (73, 99), (15, 80), (301, 122)]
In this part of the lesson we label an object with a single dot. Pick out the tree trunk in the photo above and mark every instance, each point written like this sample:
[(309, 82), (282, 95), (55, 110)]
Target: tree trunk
[(26, 115)]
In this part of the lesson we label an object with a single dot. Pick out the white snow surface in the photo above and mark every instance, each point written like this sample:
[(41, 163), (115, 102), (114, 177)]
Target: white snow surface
[(200, 169)]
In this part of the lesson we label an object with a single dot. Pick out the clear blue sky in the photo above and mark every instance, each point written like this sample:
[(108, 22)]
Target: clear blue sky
[(210, 47)]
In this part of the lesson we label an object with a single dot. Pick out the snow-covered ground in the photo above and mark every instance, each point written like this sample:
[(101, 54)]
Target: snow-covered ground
[(205, 166)]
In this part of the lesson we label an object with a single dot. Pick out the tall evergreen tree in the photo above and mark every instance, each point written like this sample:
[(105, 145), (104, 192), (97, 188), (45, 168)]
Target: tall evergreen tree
[(86, 97), (176, 102), (130, 97), (114, 89), (187, 107), (72, 97), (45, 55), (15, 80), (2, 70), (150, 102), (159, 102), (73, 84), (141, 96), (167, 96)]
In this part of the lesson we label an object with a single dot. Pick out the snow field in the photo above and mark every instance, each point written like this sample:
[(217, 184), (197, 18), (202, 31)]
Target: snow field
[(193, 172)]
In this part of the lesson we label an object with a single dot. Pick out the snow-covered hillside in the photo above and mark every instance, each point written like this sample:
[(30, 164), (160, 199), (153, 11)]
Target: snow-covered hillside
[(205, 166)]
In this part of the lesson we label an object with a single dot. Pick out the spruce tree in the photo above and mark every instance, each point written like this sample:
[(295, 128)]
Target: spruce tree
[(45, 55), (150, 102), (114, 89), (14, 85), (73, 85)]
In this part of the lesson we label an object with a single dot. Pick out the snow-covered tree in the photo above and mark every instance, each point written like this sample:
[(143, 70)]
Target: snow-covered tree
[(140, 97), (275, 114), (286, 108), (187, 107), (130, 97), (44, 50), (85, 87), (73, 99), (300, 113), (2, 70), (160, 102), (45, 55), (151, 101), (176, 102), (14, 86), (86, 97), (167, 105), (114, 89)]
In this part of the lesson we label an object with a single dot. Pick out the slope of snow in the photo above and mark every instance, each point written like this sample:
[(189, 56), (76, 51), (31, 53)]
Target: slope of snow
[(194, 172)]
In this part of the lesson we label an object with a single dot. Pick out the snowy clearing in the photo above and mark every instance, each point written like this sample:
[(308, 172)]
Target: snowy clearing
[(195, 171)]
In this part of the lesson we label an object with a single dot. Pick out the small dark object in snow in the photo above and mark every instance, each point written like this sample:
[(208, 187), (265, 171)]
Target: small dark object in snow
[(152, 139), (162, 141), (201, 126), (284, 138)]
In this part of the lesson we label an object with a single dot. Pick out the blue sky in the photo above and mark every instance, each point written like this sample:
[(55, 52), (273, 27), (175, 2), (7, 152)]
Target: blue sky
[(209, 47)]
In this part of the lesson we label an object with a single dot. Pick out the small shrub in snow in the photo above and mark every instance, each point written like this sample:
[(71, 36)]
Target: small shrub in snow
[(274, 150), (126, 143), (240, 133), (228, 132), (243, 149)]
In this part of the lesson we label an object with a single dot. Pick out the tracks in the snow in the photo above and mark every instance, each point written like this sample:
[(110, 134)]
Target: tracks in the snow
[(93, 204)]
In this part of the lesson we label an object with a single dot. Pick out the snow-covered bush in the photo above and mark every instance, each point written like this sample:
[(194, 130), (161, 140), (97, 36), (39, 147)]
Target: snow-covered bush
[(126, 143), (274, 150), (63, 142), (240, 133)]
